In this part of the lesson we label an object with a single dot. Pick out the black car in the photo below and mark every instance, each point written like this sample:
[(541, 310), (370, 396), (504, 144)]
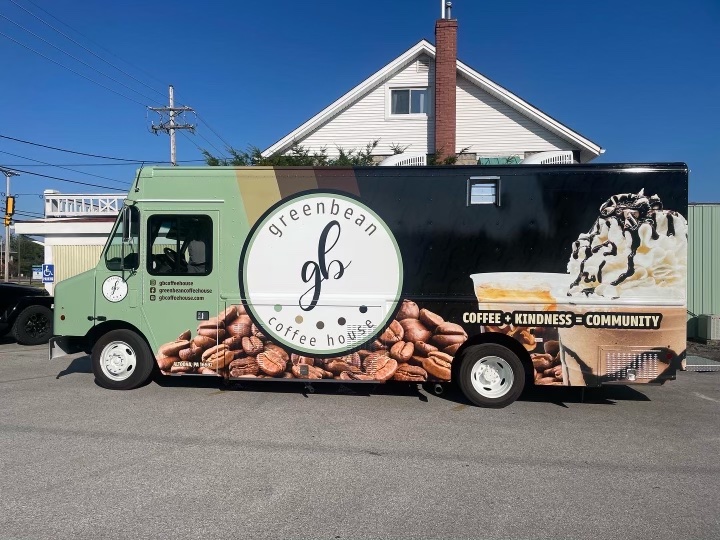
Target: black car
[(26, 312)]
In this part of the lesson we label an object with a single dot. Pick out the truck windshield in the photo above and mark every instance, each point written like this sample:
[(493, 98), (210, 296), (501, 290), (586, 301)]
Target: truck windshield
[(122, 251)]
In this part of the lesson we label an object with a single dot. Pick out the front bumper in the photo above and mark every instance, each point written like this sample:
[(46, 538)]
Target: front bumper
[(60, 346)]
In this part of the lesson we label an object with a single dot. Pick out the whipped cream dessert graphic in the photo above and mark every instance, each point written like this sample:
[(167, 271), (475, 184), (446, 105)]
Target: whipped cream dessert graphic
[(635, 248), (632, 262)]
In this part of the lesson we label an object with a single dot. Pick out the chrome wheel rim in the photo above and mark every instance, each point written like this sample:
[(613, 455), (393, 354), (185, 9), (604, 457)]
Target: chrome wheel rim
[(118, 360), (492, 377)]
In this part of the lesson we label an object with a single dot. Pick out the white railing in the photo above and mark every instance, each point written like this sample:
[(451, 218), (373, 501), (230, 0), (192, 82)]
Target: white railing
[(63, 205), (403, 160), (554, 157)]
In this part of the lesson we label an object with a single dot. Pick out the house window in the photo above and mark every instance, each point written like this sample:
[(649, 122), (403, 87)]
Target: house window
[(483, 190), (409, 101)]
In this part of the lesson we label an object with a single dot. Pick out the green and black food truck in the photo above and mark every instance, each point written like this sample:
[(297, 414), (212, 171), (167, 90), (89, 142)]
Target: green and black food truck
[(492, 278)]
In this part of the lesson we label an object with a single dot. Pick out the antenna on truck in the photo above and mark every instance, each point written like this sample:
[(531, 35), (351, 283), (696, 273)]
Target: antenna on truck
[(137, 178)]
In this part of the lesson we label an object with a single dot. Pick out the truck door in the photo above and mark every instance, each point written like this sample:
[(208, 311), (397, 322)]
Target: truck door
[(117, 281), (180, 289)]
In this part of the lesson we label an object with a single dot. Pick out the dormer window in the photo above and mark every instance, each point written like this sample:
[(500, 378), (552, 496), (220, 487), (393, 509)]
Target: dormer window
[(408, 101)]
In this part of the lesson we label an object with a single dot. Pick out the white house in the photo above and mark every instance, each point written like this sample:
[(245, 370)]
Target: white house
[(428, 101)]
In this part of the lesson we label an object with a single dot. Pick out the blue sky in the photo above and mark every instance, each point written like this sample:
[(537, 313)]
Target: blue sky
[(640, 78)]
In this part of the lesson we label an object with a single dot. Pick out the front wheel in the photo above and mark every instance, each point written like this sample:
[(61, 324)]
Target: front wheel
[(491, 375), (121, 360)]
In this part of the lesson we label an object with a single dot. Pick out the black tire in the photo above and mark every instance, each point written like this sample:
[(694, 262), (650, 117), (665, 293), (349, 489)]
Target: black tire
[(34, 326), (508, 384), (121, 360)]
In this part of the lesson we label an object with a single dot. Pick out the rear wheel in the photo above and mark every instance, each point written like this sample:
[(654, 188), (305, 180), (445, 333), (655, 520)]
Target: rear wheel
[(491, 375), (121, 360), (34, 325)]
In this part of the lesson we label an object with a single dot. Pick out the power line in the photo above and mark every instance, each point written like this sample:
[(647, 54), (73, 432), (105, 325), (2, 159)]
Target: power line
[(171, 126), (211, 144), (95, 43), (191, 141), (100, 58), (215, 132), (103, 60), (29, 214), (70, 181), (80, 44), (70, 69), (84, 153), (65, 168), (83, 164), (75, 57)]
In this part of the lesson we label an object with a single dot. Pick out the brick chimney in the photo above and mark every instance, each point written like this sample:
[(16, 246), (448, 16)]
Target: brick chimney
[(445, 75)]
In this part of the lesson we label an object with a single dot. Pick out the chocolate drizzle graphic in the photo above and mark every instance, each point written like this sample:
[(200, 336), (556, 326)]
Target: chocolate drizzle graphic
[(617, 233)]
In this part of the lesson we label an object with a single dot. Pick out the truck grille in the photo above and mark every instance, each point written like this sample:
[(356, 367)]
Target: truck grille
[(619, 360)]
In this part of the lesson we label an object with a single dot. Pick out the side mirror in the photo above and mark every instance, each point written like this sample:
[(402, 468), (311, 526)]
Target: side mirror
[(125, 224), (127, 232)]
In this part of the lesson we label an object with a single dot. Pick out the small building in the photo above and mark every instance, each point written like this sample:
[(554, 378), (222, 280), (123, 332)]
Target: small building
[(703, 263), (75, 229)]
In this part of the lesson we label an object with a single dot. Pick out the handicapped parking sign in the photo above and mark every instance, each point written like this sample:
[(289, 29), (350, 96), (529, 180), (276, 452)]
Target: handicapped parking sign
[(48, 273)]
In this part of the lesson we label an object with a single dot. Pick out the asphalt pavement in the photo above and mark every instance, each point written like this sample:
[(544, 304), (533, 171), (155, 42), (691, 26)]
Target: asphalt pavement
[(182, 458)]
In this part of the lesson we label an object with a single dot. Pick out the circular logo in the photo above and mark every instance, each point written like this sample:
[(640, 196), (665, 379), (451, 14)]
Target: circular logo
[(321, 273), (114, 289)]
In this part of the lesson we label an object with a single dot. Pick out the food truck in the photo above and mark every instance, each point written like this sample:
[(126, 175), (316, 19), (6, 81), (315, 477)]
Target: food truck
[(492, 278)]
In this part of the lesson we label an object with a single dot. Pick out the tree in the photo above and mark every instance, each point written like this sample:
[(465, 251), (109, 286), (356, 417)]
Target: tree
[(27, 254), (437, 158), (297, 156)]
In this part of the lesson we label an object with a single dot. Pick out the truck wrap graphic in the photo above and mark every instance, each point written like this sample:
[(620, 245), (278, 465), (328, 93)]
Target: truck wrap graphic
[(571, 275)]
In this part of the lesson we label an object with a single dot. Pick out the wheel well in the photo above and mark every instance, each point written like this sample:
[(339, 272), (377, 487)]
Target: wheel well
[(103, 328), (499, 339), (27, 302)]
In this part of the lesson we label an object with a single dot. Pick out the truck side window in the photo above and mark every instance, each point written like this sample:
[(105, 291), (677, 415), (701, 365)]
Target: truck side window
[(483, 190), (121, 254), (179, 245)]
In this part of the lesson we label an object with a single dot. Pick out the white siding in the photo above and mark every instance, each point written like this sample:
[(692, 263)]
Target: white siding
[(70, 260), (366, 120), (485, 124), (490, 127)]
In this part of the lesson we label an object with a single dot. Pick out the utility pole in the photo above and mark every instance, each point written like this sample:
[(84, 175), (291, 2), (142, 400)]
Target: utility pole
[(170, 126), (8, 173)]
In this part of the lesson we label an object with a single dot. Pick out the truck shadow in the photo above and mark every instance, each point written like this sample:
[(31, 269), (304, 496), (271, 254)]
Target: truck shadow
[(290, 386), (603, 395), (560, 396), (81, 364)]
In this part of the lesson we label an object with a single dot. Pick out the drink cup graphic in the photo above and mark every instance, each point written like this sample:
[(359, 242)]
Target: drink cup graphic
[(536, 290), (640, 344), (527, 303)]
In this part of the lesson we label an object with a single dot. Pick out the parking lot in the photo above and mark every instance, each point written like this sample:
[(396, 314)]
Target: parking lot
[(183, 458)]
